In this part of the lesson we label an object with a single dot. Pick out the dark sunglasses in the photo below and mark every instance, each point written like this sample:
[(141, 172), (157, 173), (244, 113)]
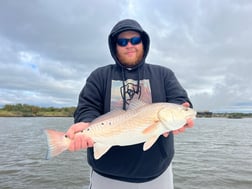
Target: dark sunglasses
[(124, 41)]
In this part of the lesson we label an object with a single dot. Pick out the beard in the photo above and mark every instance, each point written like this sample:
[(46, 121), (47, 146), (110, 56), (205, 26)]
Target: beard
[(131, 61)]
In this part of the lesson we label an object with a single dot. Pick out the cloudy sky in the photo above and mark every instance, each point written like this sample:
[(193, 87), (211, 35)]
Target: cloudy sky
[(49, 47)]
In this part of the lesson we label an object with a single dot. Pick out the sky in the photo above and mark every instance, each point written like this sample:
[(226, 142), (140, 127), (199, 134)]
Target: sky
[(49, 48)]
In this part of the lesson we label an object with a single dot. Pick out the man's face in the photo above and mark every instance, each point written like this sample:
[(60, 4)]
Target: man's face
[(131, 54)]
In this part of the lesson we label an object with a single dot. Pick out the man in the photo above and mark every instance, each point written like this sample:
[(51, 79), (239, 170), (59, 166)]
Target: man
[(113, 86)]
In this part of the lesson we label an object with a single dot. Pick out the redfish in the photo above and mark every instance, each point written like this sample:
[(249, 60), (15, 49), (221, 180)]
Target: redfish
[(141, 123)]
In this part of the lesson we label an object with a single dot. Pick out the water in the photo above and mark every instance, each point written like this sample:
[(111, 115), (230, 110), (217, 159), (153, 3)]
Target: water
[(216, 153)]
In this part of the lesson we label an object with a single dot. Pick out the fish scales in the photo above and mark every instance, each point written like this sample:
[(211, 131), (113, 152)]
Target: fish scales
[(133, 127)]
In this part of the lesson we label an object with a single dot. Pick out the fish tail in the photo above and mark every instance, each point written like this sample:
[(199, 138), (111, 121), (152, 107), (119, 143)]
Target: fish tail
[(57, 143)]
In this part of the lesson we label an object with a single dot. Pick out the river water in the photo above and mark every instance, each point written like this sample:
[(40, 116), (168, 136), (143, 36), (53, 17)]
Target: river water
[(216, 153)]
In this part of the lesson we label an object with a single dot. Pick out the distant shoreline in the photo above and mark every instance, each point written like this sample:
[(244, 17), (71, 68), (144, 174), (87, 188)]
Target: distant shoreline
[(24, 110), (31, 116), (70, 114), (236, 115)]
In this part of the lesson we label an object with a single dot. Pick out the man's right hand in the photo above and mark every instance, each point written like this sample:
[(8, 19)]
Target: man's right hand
[(78, 141)]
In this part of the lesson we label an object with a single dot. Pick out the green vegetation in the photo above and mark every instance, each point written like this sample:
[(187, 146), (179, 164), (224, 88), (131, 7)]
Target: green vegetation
[(226, 115), (25, 110)]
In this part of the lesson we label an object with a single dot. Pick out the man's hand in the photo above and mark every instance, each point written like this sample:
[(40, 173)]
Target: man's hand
[(189, 124), (79, 141)]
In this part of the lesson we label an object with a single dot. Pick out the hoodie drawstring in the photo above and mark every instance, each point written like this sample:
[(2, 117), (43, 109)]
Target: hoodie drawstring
[(124, 87), (124, 90), (138, 82)]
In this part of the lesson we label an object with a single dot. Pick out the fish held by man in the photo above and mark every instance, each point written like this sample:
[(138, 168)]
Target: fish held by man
[(141, 123)]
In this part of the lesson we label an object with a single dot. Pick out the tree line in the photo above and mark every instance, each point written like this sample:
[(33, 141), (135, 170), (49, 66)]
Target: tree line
[(26, 110)]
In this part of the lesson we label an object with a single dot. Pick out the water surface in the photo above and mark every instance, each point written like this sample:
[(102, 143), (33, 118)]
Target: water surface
[(216, 153)]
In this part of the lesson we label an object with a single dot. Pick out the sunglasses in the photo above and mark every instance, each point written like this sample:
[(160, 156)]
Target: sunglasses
[(124, 41)]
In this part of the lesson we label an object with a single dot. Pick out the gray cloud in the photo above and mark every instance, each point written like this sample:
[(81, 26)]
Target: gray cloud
[(48, 48)]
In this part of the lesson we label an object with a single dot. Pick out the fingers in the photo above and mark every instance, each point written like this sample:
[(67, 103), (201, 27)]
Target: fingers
[(166, 134), (70, 133), (80, 142), (186, 104), (75, 128), (190, 123), (182, 129)]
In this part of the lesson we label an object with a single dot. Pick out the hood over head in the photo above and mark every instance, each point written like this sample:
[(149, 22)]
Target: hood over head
[(126, 25)]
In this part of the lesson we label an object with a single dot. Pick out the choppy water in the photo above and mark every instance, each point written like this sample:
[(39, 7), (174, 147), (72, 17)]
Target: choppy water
[(216, 153)]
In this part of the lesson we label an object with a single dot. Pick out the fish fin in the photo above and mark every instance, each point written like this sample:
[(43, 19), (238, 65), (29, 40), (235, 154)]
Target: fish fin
[(109, 115), (57, 143), (151, 128), (150, 142), (100, 150), (136, 103)]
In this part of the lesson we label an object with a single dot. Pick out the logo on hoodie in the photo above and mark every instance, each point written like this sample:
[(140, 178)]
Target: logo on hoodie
[(130, 90)]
